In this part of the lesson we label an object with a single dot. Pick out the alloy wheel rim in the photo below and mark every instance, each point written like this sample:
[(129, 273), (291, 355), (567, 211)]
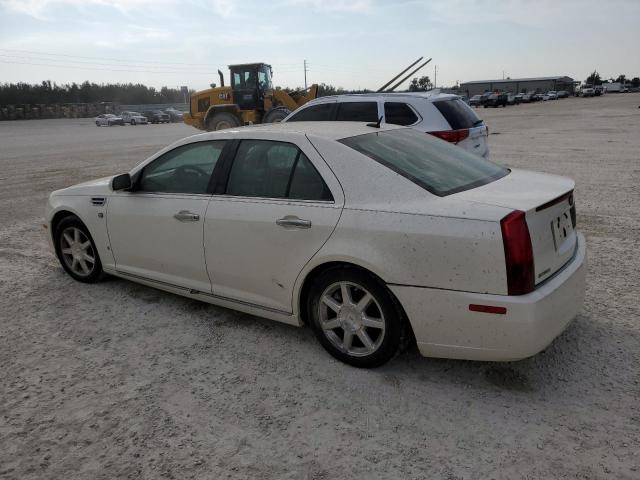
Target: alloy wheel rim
[(77, 251), (351, 319)]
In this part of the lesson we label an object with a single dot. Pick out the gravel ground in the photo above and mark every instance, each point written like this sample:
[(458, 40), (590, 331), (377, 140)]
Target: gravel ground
[(116, 380)]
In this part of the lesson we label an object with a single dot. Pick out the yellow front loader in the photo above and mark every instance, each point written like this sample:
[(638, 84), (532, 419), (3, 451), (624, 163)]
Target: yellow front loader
[(249, 99)]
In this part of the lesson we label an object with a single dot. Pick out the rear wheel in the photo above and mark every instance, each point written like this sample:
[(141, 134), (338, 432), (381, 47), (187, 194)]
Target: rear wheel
[(221, 121), (276, 115), (76, 250), (133, 122), (355, 317)]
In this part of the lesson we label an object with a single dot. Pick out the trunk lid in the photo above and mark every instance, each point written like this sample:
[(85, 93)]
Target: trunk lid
[(548, 203)]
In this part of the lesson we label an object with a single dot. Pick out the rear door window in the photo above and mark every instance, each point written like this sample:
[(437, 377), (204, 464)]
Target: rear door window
[(269, 169), (322, 112), (357, 112), (457, 113), (399, 113)]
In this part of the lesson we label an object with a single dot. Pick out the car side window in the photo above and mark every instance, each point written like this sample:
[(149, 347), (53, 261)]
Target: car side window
[(186, 169), (270, 169), (306, 183), (315, 113), (399, 113), (357, 112)]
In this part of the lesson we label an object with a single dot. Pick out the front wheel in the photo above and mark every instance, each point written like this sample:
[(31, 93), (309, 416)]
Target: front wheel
[(76, 250), (355, 317), (222, 121), (133, 122)]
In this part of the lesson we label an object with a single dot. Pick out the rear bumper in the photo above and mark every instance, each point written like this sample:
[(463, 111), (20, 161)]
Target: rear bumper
[(444, 326)]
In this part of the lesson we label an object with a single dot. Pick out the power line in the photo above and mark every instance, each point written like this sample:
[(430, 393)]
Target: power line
[(69, 63), (105, 69)]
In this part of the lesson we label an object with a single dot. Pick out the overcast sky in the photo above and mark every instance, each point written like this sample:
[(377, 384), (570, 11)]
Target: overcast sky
[(353, 44)]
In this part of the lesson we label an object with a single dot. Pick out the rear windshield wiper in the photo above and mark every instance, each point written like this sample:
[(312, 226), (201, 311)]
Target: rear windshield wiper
[(477, 122)]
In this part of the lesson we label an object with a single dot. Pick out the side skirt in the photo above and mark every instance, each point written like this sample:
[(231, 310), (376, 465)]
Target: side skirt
[(239, 305)]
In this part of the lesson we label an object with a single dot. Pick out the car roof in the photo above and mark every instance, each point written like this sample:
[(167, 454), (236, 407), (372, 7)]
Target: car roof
[(388, 95), (326, 130)]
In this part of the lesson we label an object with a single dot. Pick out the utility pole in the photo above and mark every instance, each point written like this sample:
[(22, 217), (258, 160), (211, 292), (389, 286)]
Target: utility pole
[(305, 74), (435, 76)]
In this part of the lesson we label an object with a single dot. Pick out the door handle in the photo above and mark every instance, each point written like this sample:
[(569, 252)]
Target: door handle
[(186, 216), (293, 221)]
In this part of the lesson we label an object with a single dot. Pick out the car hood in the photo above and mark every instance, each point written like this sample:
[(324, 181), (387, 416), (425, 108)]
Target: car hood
[(521, 190), (100, 186)]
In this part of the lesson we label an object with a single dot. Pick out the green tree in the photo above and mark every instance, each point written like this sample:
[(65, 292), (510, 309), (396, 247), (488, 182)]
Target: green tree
[(421, 84), (594, 78), (622, 79)]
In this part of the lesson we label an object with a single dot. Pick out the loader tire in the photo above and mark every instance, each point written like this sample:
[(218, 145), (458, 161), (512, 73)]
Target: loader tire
[(276, 115), (222, 120)]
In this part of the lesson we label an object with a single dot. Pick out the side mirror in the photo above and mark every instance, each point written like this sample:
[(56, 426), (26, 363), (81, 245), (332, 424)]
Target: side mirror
[(121, 182)]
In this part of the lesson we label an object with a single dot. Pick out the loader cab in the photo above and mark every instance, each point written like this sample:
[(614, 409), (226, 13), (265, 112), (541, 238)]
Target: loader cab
[(249, 83)]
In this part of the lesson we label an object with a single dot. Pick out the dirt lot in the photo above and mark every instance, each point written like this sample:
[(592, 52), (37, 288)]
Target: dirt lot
[(117, 380)]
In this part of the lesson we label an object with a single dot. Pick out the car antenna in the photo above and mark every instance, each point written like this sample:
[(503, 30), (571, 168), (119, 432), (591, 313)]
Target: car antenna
[(375, 124)]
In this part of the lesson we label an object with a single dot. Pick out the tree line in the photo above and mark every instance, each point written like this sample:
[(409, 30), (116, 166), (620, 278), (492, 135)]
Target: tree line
[(595, 79), (48, 92)]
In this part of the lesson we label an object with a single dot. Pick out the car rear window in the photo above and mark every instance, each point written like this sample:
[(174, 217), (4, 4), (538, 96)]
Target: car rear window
[(433, 164), (457, 113), (315, 113)]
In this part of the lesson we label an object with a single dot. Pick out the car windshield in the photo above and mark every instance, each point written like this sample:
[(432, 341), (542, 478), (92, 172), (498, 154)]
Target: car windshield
[(437, 166)]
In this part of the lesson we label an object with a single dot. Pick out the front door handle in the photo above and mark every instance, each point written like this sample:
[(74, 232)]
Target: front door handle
[(186, 216), (292, 221)]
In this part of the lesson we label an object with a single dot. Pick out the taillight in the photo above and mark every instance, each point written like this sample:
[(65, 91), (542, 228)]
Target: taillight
[(453, 136), (518, 253)]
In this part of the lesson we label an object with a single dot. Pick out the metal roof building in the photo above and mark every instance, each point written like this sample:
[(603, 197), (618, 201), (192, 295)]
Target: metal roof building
[(518, 85)]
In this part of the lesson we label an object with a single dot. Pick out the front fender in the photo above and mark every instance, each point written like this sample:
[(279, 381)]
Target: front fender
[(84, 208)]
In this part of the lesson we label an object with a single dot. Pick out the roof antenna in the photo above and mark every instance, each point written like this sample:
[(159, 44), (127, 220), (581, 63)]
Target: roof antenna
[(376, 124)]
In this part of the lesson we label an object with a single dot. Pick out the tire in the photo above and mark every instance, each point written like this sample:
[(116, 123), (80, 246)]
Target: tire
[(221, 121), (276, 115), (73, 252), (133, 122), (369, 345), (97, 124)]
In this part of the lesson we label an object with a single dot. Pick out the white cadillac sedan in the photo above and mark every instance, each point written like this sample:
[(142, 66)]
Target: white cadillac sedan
[(372, 236)]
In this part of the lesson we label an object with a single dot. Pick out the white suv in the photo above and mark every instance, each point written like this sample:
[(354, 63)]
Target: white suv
[(443, 115)]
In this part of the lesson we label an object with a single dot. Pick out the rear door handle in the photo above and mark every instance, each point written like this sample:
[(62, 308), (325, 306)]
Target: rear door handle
[(292, 221), (186, 216)]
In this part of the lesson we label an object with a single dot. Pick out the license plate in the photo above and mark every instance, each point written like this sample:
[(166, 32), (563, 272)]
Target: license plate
[(561, 228)]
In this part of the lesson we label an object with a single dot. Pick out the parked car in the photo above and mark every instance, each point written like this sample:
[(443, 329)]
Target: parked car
[(133, 118), (475, 101), (174, 114), (367, 234), (562, 94), (552, 95), (108, 119), (496, 100), (586, 91), (513, 99), (156, 116), (445, 116), (526, 98), (541, 97)]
